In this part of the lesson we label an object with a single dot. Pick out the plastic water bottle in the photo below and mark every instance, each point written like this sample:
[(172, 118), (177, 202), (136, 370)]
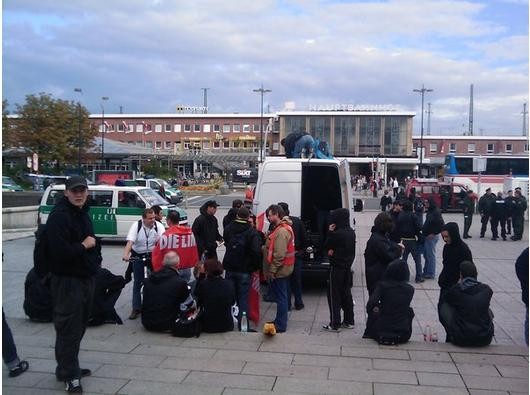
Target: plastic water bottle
[(244, 322), (427, 335), (434, 337)]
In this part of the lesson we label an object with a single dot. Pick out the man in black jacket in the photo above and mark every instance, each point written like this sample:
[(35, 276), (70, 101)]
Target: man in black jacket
[(510, 205), (465, 311), (74, 263), (485, 204), (521, 269), (242, 257), (206, 230), (164, 291), (232, 213), (340, 247), (498, 216), (300, 244), (409, 229)]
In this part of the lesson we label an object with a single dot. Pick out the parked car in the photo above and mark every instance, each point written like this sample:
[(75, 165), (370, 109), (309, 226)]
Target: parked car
[(8, 185), (173, 195)]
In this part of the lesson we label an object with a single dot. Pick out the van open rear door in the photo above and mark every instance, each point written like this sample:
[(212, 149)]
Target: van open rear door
[(345, 187)]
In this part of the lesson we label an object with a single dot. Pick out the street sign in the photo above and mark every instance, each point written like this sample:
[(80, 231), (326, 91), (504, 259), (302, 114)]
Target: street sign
[(35, 162), (479, 164)]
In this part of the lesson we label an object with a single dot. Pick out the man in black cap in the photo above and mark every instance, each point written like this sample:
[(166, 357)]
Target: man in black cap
[(206, 230), (520, 206), (469, 209), (485, 205), (75, 259)]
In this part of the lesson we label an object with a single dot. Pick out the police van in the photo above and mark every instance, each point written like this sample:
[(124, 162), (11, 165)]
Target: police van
[(311, 188), (113, 209)]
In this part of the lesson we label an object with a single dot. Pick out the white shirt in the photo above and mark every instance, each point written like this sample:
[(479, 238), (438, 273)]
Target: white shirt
[(144, 240)]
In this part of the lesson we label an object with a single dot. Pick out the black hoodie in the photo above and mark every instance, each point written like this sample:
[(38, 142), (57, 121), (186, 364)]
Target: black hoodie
[(341, 240), (242, 236), (454, 253), (163, 291), (206, 231), (433, 220), (66, 228)]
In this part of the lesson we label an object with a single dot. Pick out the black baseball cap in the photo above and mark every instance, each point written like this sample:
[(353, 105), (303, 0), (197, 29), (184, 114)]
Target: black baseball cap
[(211, 203), (76, 182)]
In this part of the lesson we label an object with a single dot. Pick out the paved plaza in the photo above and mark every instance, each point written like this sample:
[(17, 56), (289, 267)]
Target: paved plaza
[(128, 360)]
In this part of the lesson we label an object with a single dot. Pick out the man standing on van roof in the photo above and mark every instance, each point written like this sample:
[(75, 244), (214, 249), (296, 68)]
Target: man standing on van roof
[(75, 259), (278, 254), (179, 239), (141, 240), (206, 230)]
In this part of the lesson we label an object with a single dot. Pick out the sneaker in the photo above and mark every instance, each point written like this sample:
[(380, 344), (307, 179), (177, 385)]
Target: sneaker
[(299, 306), (347, 326), (19, 369), (419, 280), (84, 373), (134, 314), (329, 328), (73, 386)]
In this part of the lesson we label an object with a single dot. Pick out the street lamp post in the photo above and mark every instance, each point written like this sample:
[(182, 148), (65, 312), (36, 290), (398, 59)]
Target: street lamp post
[(103, 132), (422, 91), (262, 92), (79, 90)]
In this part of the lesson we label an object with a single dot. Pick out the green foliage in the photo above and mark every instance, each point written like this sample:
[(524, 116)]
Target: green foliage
[(52, 127), (155, 168)]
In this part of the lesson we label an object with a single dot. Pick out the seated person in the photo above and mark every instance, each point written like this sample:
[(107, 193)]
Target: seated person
[(164, 291), (107, 290), (37, 298), (465, 310), (215, 296), (389, 312)]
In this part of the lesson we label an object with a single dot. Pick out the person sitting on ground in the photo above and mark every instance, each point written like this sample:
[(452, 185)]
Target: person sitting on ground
[(37, 297), (106, 293), (465, 310), (164, 292), (215, 296), (389, 312), (232, 213)]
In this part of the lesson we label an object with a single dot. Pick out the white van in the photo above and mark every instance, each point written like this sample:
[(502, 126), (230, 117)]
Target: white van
[(113, 209), (311, 188)]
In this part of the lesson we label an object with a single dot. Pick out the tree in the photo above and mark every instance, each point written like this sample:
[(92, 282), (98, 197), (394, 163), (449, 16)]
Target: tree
[(9, 136), (50, 127)]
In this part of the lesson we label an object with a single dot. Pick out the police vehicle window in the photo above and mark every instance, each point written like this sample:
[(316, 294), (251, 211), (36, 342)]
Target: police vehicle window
[(152, 197), (54, 197), (129, 199), (100, 198)]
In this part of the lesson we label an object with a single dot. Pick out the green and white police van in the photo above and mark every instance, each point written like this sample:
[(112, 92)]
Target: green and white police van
[(113, 209)]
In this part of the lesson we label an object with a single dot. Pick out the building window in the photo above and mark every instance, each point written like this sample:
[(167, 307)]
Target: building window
[(433, 147), (206, 128), (148, 144), (158, 145), (491, 148), (178, 128), (526, 147), (167, 145), (158, 128), (509, 148), (452, 148), (216, 144), (168, 127), (197, 128), (256, 127), (139, 128), (395, 137), (246, 128), (236, 144), (226, 128), (216, 127), (237, 128), (186, 145), (205, 145), (226, 144), (471, 148), (320, 128), (120, 127), (369, 136), (344, 136), (187, 128)]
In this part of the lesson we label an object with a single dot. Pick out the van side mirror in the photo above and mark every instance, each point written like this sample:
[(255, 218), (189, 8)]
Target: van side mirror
[(358, 205)]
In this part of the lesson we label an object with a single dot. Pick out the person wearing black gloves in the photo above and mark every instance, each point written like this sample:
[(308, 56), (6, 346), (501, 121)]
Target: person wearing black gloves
[(74, 263), (340, 247)]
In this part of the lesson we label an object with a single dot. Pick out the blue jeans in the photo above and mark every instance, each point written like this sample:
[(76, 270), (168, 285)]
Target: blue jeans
[(429, 270), (9, 350), (241, 283), (279, 290), (295, 284), (305, 142), (138, 275)]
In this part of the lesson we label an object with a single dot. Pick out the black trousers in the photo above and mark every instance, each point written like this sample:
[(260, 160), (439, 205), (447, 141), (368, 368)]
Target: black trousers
[(72, 303), (468, 219), (484, 221), (339, 296), (509, 225), (495, 227), (518, 226)]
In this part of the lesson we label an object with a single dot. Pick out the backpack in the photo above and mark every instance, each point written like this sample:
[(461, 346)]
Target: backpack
[(140, 226), (41, 252), (188, 324), (236, 249)]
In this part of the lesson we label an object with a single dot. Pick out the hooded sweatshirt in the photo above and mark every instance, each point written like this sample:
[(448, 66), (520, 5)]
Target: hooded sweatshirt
[(206, 231), (341, 241), (433, 220), (454, 253), (163, 291), (472, 324), (66, 228), (247, 260)]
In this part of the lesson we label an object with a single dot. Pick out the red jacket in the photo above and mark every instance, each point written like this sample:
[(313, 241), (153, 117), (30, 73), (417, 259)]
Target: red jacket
[(180, 239)]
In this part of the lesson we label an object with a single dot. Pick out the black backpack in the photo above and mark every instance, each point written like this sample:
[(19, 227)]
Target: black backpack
[(41, 252), (236, 250)]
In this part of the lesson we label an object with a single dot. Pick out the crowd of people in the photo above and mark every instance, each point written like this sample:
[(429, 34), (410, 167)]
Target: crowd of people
[(179, 270)]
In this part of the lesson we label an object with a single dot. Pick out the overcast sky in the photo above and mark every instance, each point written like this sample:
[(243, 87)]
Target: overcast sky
[(149, 56)]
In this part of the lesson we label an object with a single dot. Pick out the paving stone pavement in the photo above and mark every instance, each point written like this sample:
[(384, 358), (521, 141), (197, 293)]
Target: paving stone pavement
[(127, 359)]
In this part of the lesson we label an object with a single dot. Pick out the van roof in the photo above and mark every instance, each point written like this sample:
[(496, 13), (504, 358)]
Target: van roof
[(302, 160), (104, 187)]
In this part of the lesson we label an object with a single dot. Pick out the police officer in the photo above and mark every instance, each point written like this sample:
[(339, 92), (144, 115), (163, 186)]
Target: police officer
[(498, 215), (484, 208), (520, 207), (469, 209), (510, 205)]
